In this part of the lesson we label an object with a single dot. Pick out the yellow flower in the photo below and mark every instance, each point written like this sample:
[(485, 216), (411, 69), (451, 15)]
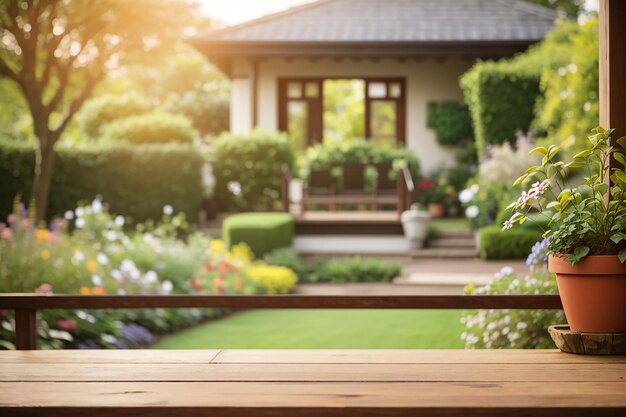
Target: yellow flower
[(45, 255), (42, 235), (217, 247), (272, 279), (85, 291), (92, 265)]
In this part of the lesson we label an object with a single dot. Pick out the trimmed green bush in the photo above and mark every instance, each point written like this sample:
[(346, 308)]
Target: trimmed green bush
[(209, 114), (263, 232), (100, 111), (247, 168), (502, 96), (154, 127), (134, 180), (510, 244), (451, 122)]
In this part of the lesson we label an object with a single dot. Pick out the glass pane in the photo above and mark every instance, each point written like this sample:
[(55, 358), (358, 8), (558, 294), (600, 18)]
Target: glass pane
[(294, 90), (297, 124), (377, 90), (395, 90), (312, 90), (344, 109), (383, 121)]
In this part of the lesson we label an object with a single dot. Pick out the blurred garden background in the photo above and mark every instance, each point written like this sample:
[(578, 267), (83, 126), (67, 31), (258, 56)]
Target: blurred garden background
[(116, 156)]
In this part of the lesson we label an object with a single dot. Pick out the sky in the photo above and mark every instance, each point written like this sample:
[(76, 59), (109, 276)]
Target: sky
[(237, 11)]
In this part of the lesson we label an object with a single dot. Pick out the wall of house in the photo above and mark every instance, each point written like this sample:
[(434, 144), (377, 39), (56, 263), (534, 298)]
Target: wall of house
[(427, 80)]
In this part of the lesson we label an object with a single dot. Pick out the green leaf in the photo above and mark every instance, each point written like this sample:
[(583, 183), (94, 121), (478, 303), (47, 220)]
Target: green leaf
[(540, 150), (620, 158), (622, 255), (622, 142), (621, 175), (583, 154), (520, 180), (602, 188), (600, 129), (618, 237), (575, 164), (552, 152), (564, 196), (581, 251)]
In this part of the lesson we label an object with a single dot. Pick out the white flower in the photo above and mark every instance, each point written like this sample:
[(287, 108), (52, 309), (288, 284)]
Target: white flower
[(119, 221), (168, 210), (474, 188), (96, 205), (521, 325), (79, 256), (151, 277), (110, 235), (506, 270), (102, 259), (80, 212), (96, 280), (117, 275), (80, 223), (472, 212), (234, 187), (167, 287), (121, 291), (69, 215), (466, 195)]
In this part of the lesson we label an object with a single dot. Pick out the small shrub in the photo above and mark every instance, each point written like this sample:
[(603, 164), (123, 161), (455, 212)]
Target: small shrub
[(451, 122), (262, 232), (247, 168), (272, 279), (154, 127), (289, 258), (514, 244), (209, 114), (99, 112), (354, 270), (520, 329)]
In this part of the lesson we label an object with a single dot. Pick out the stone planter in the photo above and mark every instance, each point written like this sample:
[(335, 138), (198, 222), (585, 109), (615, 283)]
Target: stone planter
[(415, 225)]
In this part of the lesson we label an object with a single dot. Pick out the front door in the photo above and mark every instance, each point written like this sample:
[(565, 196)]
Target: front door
[(300, 105)]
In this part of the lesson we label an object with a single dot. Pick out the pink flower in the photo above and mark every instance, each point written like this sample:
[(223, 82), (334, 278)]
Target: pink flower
[(44, 289), (12, 218), (532, 193), (6, 233), (67, 325), (541, 186), (508, 224)]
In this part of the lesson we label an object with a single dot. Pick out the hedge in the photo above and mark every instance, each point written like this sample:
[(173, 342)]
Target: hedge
[(451, 122), (154, 127), (515, 243), (100, 111), (263, 232), (134, 180), (247, 168)]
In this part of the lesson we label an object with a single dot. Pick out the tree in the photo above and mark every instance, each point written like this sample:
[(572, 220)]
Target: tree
[(57, 51)]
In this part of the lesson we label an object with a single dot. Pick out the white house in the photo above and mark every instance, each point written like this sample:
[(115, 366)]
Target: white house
[(405, 54)]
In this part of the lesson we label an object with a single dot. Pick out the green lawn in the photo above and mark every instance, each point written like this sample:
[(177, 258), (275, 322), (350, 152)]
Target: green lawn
[(324, 329)]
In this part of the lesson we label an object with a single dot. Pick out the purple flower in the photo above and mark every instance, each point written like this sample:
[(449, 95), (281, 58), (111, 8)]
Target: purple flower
[(137, 335)]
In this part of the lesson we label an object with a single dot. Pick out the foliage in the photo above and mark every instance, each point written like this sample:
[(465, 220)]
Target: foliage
[(262, 232), (344, 109), (136, 180), (208, 112), (569, 8), (100, 111), (57, 52), (494, 244), (289, 258), (272, 279), (247, 168), (436, 190), (521, 329), (501, 96), (571, 102), (589, 218), (155, 127), (354, 269), (331, 154), (451, 122)]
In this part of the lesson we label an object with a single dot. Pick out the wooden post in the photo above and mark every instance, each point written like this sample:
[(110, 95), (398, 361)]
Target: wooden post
[(612, 33), (284, 187), (254, 81), (25, 329)]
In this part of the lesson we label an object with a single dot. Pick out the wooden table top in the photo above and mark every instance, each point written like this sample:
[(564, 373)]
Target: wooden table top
[(311, 383)]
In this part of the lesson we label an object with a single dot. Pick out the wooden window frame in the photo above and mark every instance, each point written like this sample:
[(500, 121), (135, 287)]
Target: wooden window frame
[(318, 122)]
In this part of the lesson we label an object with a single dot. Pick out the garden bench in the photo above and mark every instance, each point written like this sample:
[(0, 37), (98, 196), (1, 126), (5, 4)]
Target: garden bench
[(302, 383)]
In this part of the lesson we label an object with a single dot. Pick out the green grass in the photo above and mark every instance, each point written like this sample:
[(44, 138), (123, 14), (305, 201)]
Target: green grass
[(324, 329), (451, 224)]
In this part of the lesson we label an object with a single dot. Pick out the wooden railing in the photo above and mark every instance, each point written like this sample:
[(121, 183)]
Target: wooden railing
[(27, 305)]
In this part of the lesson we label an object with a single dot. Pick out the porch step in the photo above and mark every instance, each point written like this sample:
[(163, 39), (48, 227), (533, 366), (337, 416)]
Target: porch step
[(453, 242), (444, 253), (444, 234)]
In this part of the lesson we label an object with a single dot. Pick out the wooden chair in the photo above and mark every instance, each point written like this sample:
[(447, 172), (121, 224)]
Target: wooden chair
[(319, 188)]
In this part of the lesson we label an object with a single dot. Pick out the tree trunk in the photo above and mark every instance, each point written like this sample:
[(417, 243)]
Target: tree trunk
[(44, 164)]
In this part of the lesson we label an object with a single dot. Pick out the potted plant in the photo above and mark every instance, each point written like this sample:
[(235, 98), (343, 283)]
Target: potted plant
[(432, 195), (587, 229), (415, 225)]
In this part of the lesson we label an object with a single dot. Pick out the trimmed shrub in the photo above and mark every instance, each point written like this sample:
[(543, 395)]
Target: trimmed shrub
[(509, 244), (154, 127), (210, 114), (135, 181), (354, 269), (451, 122), (247, 168), (100, 111), (502, 95), (262, 232)]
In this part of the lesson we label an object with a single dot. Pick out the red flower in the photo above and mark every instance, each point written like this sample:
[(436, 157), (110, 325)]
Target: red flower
[(425, 184), (68, 325), (44, 289)]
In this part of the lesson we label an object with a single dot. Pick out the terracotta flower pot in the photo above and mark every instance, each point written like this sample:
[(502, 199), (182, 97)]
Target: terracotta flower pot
[(593, 293), (437, 210)]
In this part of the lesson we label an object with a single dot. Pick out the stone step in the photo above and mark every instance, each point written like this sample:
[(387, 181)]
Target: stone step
[(443, 253), (452, 242)]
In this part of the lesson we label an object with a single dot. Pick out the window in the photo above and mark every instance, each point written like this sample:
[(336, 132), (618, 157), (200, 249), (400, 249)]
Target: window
[(341, 108)]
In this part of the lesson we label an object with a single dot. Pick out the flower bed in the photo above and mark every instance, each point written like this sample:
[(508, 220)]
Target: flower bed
[(92, 252)]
